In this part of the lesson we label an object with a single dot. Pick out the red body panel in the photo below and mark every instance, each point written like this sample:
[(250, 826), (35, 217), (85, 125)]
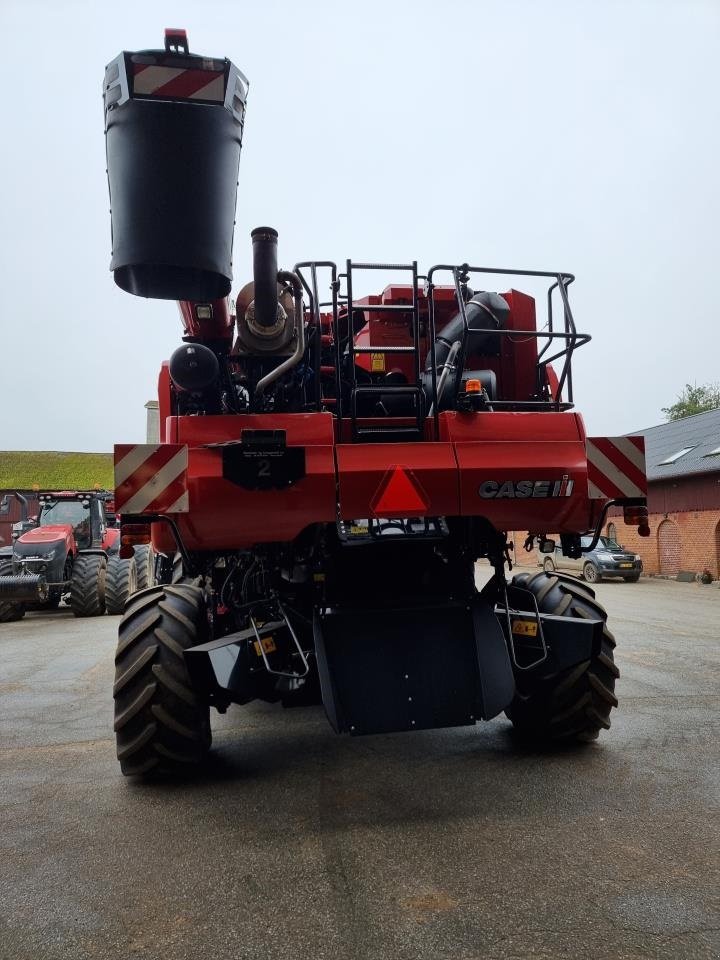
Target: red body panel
[(52, 533), (519, 470), (225, 516), (220, 326), (362, 468)]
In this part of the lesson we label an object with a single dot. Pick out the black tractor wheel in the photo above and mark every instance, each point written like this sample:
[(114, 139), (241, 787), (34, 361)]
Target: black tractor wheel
[(87, 587), (9, 611), (574, 704), (120, 583), (160, 723), (590, 573), (145, 566)]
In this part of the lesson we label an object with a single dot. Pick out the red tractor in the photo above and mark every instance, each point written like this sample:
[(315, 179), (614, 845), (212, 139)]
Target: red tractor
[(331, 466), (69, 551)]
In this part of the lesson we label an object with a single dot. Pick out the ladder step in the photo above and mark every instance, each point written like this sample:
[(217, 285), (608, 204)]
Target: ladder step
[(383, 349), (382, 266), (388, 433), (384, 307), (391, 388)]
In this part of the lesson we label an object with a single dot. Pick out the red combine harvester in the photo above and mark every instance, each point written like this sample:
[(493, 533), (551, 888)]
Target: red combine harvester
[(332, 466)]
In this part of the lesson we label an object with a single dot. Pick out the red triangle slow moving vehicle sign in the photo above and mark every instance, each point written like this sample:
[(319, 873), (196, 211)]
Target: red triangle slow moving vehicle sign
[(399, 494)]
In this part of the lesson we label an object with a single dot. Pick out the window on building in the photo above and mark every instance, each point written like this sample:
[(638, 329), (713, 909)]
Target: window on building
[(676, 456), (612, 532)]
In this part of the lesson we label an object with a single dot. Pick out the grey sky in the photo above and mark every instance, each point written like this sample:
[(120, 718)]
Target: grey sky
[(580, 136)]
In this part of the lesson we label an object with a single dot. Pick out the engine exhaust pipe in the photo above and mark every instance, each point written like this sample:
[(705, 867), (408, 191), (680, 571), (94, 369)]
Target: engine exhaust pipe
[(265, 276)]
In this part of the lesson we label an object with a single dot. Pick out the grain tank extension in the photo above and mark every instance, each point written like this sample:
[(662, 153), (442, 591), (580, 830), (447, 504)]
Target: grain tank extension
[(334, 462)]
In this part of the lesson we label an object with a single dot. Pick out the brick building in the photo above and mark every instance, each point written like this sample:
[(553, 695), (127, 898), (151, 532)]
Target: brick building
[(683, 468)]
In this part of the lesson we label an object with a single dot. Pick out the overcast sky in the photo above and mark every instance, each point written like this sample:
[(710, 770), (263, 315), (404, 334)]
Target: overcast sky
[(579, 136)]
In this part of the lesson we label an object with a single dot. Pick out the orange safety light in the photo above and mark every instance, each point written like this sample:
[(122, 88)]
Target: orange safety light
[(132, 534), (400, 494), (473, 386), (637, 517)]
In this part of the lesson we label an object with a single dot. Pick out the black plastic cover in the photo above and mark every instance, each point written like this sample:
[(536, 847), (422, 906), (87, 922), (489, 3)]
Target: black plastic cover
[(172, 172)]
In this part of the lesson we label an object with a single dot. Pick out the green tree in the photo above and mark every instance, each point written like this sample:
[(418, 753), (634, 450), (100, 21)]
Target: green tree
[(693, 400)]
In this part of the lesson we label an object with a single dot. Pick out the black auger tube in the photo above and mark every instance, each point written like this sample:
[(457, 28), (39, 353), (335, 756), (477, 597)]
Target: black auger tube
[(485, 311), (265, 271)]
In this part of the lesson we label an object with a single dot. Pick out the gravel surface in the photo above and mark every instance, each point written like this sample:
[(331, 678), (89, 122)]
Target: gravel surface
[(437, 845)]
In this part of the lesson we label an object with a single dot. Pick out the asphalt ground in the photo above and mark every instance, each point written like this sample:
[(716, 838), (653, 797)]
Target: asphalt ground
[(437, 845)]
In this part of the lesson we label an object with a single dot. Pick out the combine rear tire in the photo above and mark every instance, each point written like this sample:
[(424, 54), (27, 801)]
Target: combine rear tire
[(160, 723), (120, 583), (574, 704), (87, 587), (9, 611), (145, 565)]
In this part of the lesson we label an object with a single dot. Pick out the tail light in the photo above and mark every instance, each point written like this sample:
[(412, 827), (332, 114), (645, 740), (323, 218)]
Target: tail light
[(132, 534), (637, 517)]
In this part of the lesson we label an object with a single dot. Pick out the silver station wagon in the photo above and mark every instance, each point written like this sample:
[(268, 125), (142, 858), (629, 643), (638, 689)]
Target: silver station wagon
[(608, 559)]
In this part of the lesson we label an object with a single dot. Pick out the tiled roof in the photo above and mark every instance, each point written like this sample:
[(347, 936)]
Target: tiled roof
[(701, 433)]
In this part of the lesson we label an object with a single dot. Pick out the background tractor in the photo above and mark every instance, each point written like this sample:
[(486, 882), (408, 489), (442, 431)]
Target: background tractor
[(331, 465), (69, 551)]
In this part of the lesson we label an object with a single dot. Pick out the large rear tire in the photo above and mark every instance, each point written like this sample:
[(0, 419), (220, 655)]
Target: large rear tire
[(120, 583), (9, 610), (574, 704), (145, 566), (160, 723), (87, 587)]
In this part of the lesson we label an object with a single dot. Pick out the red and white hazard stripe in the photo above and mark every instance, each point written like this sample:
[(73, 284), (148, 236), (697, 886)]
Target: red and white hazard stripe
[(150, 80), (151, 479), (616, 467)]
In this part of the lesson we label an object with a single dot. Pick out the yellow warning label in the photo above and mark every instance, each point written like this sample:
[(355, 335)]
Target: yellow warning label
[(377, 362), (525, 628), (268, 646), (358, 530)]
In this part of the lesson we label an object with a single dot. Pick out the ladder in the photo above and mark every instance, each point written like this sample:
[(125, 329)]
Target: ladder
[(361, 395)]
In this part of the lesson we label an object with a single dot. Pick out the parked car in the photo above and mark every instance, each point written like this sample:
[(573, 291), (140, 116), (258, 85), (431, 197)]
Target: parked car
[(608, 559)]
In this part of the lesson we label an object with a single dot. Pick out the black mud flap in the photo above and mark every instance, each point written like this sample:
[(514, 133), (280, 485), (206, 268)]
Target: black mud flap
[(386, 670)]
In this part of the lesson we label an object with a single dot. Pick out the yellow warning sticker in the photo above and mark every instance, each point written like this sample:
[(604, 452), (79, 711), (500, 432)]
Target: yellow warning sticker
[(268, 646), (377, 362), (358, 530), (525, 628)]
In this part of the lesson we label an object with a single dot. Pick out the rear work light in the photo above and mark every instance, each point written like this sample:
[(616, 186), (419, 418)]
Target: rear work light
[(134, 533), (637, 517)]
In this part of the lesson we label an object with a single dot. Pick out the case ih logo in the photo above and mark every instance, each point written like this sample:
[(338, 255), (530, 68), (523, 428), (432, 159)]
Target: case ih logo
[(526, 489)]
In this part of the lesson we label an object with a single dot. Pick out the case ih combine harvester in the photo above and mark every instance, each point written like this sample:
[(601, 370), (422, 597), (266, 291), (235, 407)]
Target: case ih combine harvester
[(331, 466)]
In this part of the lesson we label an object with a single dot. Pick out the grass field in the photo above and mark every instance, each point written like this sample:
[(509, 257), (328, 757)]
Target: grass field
[(53, 470)]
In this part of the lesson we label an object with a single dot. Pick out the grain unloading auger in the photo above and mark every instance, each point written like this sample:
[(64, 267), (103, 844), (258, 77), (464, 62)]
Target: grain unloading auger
[(331, 466)]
